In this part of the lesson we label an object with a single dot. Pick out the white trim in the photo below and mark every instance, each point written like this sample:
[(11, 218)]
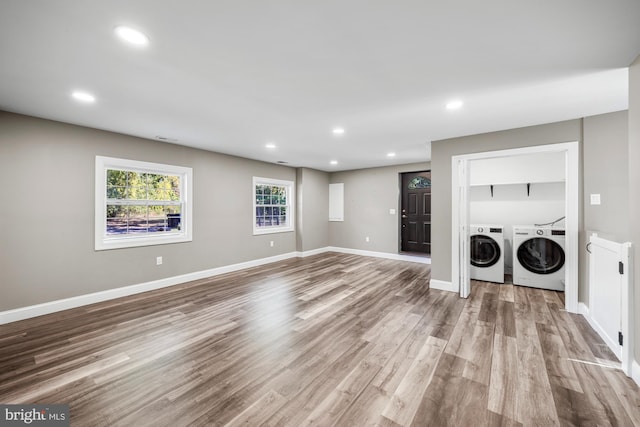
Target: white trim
[(442, 285), (81, 300), (584, 310), (461, 270), (313, 252), (635, 372), (387, 255), (571, 210), (586, 313), (104, 242), (291, 203)]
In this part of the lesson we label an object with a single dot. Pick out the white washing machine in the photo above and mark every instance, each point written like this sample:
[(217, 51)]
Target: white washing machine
[(487, 253), (539, 257)]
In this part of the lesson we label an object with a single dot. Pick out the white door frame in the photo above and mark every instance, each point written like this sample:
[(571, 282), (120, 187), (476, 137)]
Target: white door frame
[(460, 254)]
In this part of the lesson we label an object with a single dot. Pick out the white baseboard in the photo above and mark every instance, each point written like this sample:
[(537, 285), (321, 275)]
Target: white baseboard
[(635, 372), (67, 303), (81, 300), (313, 252), (387, 255), (583, 309), (443, 285), (613, 346)]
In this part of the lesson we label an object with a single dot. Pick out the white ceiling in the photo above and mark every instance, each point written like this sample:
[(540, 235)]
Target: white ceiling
[(230, 76)]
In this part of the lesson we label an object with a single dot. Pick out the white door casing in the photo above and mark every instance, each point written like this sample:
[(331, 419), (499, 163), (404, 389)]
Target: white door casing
[(460, 255)]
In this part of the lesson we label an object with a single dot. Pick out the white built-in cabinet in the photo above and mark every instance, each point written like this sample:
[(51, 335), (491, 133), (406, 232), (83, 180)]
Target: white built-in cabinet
[(336, 202)]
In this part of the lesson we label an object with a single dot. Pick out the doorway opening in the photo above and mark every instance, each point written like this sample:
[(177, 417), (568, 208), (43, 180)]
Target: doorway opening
[(460, 178), (415, 212)]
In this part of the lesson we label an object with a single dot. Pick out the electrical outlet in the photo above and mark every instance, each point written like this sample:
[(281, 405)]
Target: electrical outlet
[(595, 199), (366, 239), (392, 211), (159, 260), (271, 243)]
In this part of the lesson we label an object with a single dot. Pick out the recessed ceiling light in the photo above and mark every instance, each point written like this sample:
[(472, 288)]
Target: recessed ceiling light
[(270, 146), (334, 162), (454, 105), (391, 154), (338, 131), (83, 97), (132, 36)]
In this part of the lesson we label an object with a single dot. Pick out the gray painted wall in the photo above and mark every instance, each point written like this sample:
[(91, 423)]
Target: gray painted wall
[(47, 249), (313, 209), (605, 137), (368, 196), (634, 185)]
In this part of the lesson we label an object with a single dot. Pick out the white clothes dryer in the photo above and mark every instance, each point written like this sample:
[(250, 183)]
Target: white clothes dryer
[(487, 253), (539, 257)]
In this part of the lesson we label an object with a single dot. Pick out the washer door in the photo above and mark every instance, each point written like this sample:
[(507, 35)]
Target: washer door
[(485, 251), (541, 255)]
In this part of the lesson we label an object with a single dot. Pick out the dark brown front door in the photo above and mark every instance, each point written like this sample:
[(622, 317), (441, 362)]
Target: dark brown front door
[(416, 212)]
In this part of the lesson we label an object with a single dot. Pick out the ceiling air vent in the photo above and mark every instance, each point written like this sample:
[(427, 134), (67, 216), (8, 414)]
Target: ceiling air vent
[(282, 162)]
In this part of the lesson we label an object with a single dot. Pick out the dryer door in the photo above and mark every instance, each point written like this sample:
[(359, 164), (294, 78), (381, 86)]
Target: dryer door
[(485, 251), (541, 255)]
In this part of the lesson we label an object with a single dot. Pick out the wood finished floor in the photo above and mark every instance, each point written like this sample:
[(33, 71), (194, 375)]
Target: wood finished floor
[(332, 339)]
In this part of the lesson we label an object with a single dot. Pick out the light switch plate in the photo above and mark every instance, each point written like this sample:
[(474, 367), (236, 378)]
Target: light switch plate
[(392, 211), (595, 199)]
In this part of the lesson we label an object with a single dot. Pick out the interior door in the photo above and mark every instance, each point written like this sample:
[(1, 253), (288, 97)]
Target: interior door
[(416, 212)]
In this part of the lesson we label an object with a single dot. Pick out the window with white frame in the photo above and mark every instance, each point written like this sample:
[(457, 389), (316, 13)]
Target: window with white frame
[(141, 203), (272, 205)]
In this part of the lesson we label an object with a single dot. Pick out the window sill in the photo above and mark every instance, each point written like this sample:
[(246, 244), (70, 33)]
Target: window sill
[(258, 232), (134, 242)]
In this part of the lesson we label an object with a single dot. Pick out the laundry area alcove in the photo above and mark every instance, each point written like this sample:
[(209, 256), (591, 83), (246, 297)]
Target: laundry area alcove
[(516, 216)]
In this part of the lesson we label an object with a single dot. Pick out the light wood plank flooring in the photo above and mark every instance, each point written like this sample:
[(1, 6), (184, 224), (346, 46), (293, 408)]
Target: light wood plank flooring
[(332, 339)]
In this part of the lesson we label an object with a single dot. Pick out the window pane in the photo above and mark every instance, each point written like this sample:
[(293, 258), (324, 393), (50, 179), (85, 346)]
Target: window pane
[(174, 218), (174, 188), (137, 193), (116, 192), (117, 219), (419, 182), (157, 218), (276, 211), (283, 220), (267, 190), (116, 177), (135, 179), (138, 220), (259, 199)]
